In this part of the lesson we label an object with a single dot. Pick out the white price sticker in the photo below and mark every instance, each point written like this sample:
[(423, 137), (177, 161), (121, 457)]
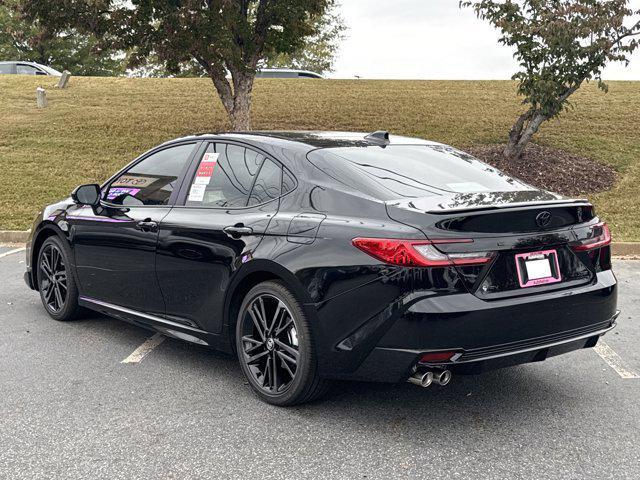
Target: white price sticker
[(196, 193), (210, 157)]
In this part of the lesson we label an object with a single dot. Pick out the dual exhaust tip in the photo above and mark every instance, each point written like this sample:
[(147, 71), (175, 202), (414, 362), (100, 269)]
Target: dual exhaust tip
[(426, 378)]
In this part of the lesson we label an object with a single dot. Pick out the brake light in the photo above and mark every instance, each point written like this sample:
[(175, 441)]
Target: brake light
[(601, 238), (419, 253)]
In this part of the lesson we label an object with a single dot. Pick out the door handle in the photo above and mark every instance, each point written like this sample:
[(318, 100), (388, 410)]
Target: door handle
[(238, 230), (147, 225)]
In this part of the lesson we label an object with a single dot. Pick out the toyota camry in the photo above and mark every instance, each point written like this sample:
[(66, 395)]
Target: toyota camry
[(315, 256)]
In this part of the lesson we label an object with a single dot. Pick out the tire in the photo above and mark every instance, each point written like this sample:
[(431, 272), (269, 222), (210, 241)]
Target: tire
[(282, 344), (59, 297)]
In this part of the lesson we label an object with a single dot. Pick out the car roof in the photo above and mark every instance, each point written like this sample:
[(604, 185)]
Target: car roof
[(26, 62), (287, 72), (311, 140)]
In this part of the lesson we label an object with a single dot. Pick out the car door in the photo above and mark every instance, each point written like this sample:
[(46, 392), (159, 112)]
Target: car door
[(115, 244), (232, 193)]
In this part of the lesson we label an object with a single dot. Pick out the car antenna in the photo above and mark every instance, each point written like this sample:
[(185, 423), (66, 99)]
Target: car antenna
[(380, 137)]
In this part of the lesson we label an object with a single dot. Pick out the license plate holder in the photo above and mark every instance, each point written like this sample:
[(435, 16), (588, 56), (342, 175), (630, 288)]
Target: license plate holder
[(538, 268)]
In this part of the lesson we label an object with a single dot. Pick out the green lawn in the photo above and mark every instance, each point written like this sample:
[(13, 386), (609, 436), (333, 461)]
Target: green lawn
[(100, 124)]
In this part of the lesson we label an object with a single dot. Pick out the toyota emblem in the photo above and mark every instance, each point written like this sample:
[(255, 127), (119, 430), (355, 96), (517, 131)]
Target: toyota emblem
[(543, 219)]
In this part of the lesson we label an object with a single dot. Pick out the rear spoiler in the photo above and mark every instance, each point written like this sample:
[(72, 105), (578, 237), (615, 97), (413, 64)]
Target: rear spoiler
[(568, 202), (482, 201)]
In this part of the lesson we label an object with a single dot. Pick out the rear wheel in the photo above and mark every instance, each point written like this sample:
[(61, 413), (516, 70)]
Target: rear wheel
[(58, 290), (275, 348)]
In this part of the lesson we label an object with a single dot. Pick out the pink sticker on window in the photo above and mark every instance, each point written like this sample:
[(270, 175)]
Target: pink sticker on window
[(115, 192), (205, 169)]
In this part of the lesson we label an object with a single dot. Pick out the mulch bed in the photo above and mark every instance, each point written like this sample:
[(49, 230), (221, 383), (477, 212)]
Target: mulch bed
[(550, 169)]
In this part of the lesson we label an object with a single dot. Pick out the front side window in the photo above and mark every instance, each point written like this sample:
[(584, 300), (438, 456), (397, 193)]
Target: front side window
[(26, 70), (151, 181), (225, 176)]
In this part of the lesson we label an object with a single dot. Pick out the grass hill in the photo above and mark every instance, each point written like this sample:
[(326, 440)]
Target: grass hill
[(100, 124)]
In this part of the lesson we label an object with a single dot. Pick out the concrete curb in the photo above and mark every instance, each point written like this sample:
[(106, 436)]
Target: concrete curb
[(619, 249), (624, 249), (13, 236)]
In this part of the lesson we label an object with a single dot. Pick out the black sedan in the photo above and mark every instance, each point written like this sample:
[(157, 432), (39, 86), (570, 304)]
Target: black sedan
[(322, 255)]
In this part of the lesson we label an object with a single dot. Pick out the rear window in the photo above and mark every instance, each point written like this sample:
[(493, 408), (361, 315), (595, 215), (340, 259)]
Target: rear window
[(397, 171)]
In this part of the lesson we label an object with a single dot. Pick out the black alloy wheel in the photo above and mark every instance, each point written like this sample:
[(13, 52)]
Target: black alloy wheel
[(270, 343), (56, 283), (53, 278), (274, 346)]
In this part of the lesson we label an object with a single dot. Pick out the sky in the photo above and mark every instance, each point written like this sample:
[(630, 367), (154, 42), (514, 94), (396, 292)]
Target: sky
[(430, 39)]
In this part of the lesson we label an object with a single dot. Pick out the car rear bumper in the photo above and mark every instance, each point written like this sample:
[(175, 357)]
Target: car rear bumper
[(533, 345), (484, 335), (395, 365)]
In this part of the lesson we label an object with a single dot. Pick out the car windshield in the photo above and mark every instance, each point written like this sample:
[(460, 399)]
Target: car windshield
[(397, 171)]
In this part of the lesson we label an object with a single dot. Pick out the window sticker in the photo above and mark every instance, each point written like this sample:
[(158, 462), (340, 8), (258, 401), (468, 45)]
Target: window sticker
[(205, 169), (210, 157), (196, 193), (133, 181), (115, 192)]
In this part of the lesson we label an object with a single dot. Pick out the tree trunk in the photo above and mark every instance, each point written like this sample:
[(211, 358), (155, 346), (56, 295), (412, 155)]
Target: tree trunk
[(515, 133), (240, 114), (520, 134), (237, 100), (241, 117)]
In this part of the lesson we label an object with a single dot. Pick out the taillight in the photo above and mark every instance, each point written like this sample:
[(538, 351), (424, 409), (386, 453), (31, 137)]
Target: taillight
[(601, 238), (419, 253)]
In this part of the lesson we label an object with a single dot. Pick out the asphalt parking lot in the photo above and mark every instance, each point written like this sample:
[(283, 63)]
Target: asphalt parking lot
[(70, 409)]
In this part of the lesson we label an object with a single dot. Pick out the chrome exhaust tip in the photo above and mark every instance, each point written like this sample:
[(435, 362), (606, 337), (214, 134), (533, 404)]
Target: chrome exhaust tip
[(422, 379), (442, 377)]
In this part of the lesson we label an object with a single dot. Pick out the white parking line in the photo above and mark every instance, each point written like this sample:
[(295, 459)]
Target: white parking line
[(140, 352), (15, 250), (614, 361)]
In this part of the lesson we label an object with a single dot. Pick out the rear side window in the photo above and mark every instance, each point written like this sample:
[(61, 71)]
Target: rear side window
[(234, 176), (268, 184), (288, 182), (224, 176), (6, 68), (151, 181)]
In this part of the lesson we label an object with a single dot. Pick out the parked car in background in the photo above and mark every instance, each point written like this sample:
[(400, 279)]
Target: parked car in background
[(286, 73), (27, 68), (326, 255)]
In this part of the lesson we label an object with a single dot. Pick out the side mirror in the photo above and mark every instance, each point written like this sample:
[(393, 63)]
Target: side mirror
[(87, 195)]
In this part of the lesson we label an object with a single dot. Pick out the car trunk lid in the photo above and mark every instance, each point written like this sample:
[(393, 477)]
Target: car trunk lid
[(510, 226)]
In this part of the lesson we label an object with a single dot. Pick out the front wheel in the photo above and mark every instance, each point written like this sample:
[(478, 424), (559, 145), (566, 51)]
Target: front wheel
[(58, 290), (275, 348)]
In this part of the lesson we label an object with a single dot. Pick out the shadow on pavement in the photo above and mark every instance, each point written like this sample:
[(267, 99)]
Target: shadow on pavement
[(507, 398)]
